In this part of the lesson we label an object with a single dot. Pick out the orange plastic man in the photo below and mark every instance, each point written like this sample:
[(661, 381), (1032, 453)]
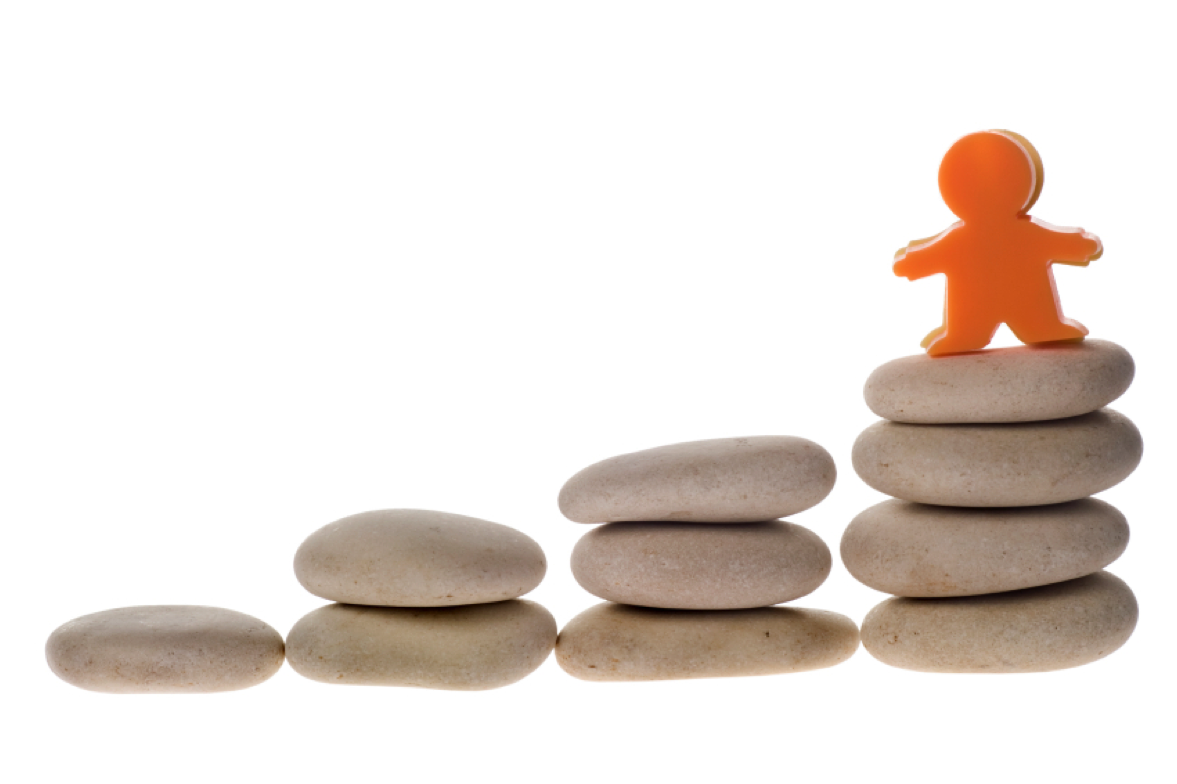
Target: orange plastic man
[(997, 258)]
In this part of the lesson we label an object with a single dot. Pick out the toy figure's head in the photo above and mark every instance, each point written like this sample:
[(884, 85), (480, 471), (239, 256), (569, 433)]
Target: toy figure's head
[(991, 175)]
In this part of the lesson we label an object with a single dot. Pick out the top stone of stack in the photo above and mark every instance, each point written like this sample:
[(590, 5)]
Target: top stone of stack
[(1002, 385), (722, 480)]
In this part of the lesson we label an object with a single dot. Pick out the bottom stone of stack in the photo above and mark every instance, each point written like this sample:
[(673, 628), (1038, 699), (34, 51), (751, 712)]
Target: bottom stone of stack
[(465, 648), (1053, 627), (615, 642), (165, 649)]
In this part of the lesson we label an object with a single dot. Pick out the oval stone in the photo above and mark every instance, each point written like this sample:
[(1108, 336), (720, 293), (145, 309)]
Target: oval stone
[(418, 558), (918, 550), (472, 648), (695, 566), (1034, 630), (723, 480), (1021, 384), (1025, 464), (165, 649), (615, 642)]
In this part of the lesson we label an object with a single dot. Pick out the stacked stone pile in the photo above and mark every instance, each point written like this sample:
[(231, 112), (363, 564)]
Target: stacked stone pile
[(423, 598), (992, 541), (692, 555)]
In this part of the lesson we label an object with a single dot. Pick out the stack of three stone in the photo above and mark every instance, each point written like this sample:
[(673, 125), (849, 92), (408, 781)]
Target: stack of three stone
[(692, 555), (993, 542)]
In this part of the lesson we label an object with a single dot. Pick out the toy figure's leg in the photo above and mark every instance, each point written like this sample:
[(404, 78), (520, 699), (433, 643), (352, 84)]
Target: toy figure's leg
[(965, 329), (1048, 331), (933, 336)]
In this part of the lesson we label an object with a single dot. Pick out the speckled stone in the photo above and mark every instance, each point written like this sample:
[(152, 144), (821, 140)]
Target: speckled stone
[(165, 649), (1024, 464), (1035, 630), (615, 642), (918, 550), (724, 480), (1022, 384), (472, 648), (695, 566), (418, 558)]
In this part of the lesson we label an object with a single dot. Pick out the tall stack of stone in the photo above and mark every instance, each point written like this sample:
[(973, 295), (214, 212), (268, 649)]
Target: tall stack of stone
[(992, 539), (423, 598), (692, 555)]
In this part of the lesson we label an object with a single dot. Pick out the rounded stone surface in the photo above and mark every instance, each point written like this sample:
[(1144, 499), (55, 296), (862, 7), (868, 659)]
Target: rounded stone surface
[(1025, 464), (918, 550), (723, 480), (418, 558), (1021, 384), (1034, 630), (165, 649), (695, 566), (471, 648), (615, 642)]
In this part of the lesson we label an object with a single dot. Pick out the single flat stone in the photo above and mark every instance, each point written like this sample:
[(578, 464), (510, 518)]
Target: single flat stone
[(1022, 384), (724, 480), (1025, 464), (165, 649), (418, 558), (615, 642), (697, 566), (471, 648), (1035, 630), (919, 550)]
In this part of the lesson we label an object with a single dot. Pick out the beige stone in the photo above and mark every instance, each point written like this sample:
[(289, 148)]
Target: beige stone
[(919, 550), (418, 558), (1022, 384), (1035, 630), (696, 566), (165, 649), (471, 648), (616, 642), (1025, 464), (724, 480)]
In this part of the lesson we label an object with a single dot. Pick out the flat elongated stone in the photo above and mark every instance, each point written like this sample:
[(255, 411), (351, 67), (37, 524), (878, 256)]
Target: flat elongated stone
[(1036, 630), (695, 566), (724, 480), (919, 550), (1024, 464), (1022, 384), (418, 558), (471, 648), (615, 642), (165, 649)]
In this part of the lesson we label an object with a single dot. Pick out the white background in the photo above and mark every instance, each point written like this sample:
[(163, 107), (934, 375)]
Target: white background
[(269, 264)]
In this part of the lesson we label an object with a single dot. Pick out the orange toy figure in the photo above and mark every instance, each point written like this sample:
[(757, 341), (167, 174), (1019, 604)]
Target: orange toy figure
[(997, 258)]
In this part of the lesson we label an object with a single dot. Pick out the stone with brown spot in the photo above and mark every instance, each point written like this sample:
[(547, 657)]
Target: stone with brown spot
[(616, 642)]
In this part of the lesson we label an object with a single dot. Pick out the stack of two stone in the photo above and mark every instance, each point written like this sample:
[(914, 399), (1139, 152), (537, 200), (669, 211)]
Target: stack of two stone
[(995, 543), (424, 598), (691, 557)]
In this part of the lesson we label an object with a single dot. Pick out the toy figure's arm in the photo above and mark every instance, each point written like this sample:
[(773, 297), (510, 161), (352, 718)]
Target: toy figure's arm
[(1070, 246), (923, 257)]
